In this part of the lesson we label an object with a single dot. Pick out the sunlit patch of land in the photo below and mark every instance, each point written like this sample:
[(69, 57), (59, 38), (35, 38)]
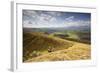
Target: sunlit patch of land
[(36, 45)]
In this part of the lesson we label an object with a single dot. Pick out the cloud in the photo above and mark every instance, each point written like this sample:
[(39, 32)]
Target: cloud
[(52, 13), (28, 23), (39, 19), (70, 18), (30, 13), (70, 21), (45, 17), (46, 20), (77, 23)]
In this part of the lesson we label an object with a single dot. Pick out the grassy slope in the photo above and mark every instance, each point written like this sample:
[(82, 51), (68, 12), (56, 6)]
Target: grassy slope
[(63, 49), (40, 42), (78, 51)]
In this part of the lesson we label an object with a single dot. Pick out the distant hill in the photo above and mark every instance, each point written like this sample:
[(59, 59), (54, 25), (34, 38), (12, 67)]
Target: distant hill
[(58, 29)]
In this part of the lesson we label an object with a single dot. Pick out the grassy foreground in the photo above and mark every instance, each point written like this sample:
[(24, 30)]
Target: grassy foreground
[(35, 48)]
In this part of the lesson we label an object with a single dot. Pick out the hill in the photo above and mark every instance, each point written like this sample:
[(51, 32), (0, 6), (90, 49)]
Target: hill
[(79, 51), (37, 44)]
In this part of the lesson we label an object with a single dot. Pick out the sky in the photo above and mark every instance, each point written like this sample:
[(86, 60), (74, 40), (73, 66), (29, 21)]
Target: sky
[(51, 19)]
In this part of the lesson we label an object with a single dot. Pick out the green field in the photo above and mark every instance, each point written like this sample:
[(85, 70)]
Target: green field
[(79, 36)]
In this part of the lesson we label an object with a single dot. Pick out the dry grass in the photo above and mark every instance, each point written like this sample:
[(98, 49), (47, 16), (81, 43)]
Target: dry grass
[(78, 51), (40, 43)]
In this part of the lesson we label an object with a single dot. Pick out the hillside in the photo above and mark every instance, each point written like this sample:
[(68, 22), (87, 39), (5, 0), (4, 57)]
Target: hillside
[(78, 51), (37, 44)]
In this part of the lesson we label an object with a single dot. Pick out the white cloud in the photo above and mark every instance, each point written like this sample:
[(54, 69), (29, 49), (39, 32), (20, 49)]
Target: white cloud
[(49, 19), (45, 17), (46, 20), (77, 23), (69, 19), (30, 13), (54, 13), (28, 23)]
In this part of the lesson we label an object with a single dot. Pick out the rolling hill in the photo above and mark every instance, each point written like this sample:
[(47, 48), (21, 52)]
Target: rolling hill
[(79, 51), (37, 44)]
